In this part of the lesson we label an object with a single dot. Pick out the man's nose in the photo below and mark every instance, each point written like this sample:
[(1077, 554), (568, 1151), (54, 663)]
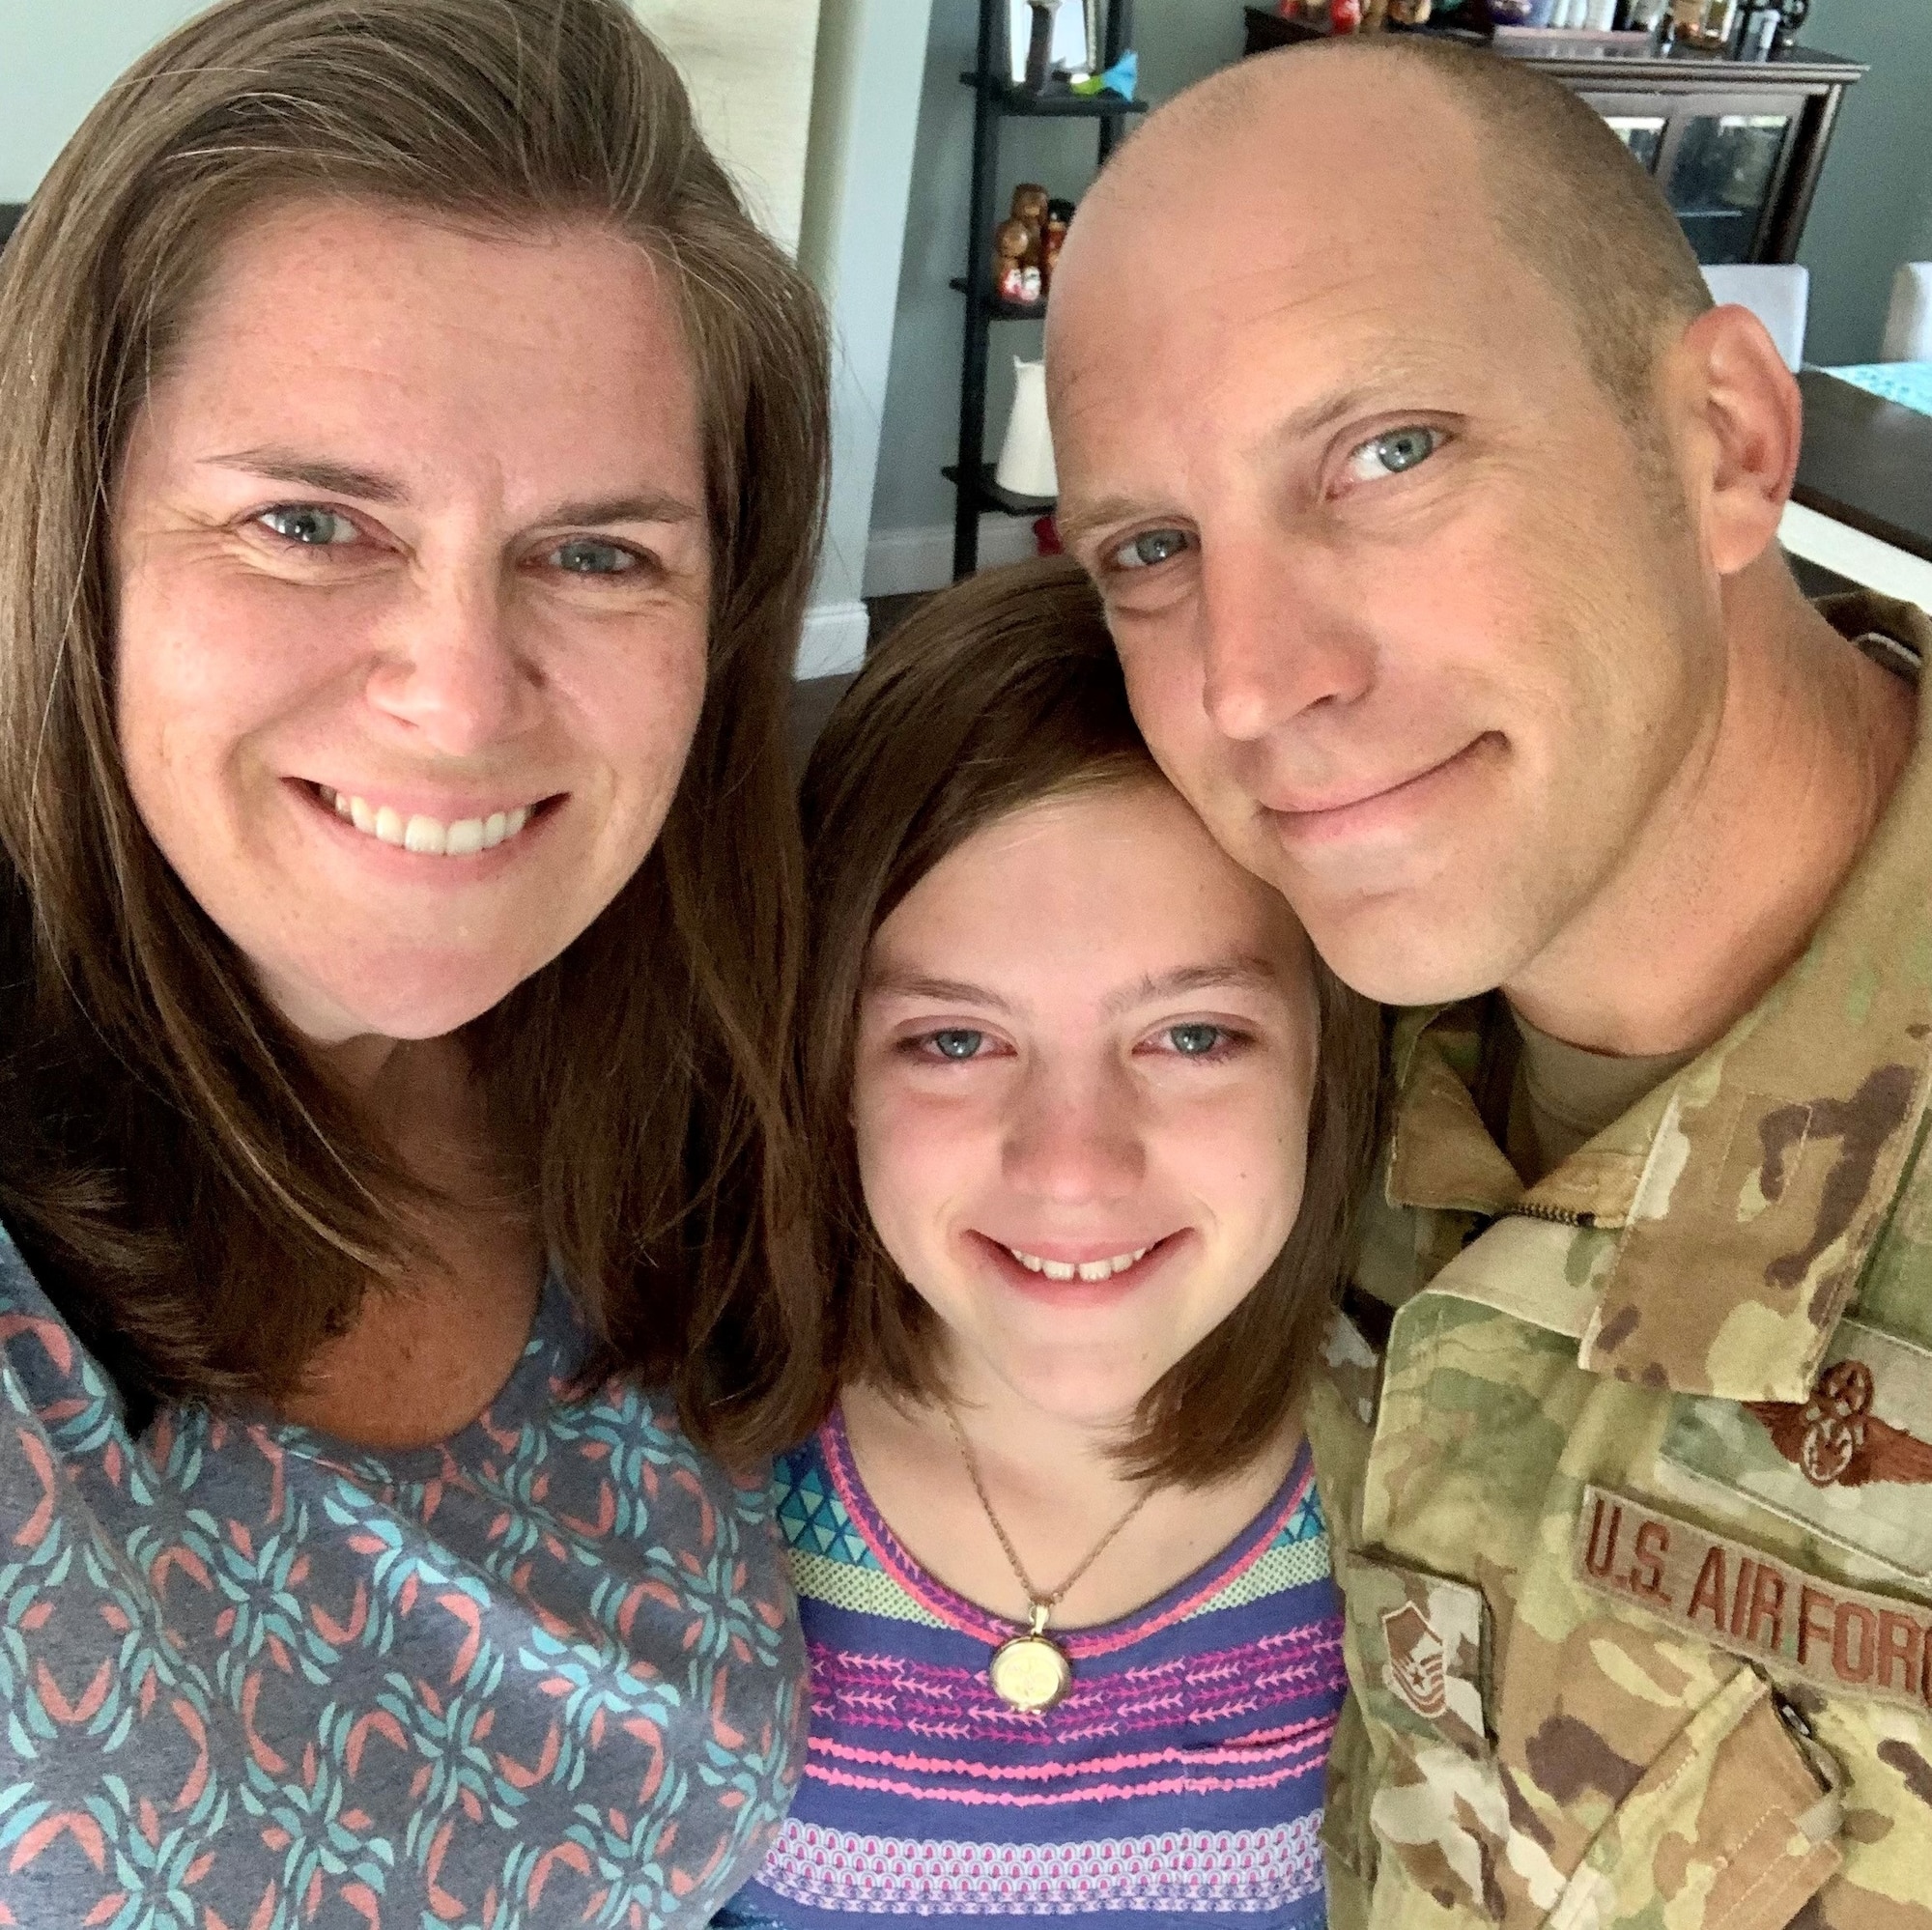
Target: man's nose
[(1073, 1138), (1280, 636), (452, 663)]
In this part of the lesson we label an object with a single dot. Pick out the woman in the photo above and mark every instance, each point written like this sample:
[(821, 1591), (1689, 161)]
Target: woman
[(1091, 1116), (410, 467)]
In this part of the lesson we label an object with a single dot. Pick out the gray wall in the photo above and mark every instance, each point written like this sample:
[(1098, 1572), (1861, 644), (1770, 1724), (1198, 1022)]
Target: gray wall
[(1178, 41), (1874, 204)]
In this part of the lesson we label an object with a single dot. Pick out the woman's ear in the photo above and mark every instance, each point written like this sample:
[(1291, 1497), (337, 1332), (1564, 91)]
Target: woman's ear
[(1746, 422)]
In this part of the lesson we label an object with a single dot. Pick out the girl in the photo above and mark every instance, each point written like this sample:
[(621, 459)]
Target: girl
[(1090, 1113)]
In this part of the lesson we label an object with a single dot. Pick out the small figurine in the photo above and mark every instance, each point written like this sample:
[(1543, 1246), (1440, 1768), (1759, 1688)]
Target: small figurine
[(1374, 16), (1010, 239), (1411, 12), (1031, 205), (1344, 16), (1057, 214)]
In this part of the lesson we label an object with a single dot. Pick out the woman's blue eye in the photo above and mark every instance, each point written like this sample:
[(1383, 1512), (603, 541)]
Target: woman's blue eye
[(957, 1043), (1391, 454), (1149, 549), (584, 556), (1196, 1041), (309, 526)]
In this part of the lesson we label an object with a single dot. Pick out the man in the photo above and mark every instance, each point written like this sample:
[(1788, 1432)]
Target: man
[(1435, 512)]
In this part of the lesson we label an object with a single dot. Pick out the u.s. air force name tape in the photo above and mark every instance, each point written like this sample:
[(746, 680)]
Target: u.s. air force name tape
[(1742, 1599)]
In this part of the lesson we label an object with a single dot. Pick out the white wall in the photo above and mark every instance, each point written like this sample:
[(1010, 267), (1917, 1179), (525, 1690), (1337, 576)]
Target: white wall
[(865, 120), (1179, 43), (747, 62), (56, 59)]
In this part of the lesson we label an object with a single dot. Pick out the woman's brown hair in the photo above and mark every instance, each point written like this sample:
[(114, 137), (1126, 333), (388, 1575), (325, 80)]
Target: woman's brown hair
[(201, 1206), (1000, 693)]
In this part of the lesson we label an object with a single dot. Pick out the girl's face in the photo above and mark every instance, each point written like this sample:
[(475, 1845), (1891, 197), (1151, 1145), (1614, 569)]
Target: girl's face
[(1085, 1048)]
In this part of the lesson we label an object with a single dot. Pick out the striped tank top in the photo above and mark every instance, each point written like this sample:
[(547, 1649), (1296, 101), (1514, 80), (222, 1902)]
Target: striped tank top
[(1181, 1780)]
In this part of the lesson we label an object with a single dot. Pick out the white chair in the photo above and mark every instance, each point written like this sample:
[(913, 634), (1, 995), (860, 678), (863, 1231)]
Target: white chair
[(1908, 328), (1778, 293)]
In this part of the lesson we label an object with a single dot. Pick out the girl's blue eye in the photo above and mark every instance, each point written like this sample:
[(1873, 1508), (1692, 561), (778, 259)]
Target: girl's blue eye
[(1195, 1042), (957, 1043), (584, 556), (309, 526)]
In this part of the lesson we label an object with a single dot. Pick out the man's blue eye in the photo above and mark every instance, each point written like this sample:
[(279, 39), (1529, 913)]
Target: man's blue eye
[(585, 558), (957, 1043), (309, 526), (1391, 454), (1195, 1042), (1149, 549)]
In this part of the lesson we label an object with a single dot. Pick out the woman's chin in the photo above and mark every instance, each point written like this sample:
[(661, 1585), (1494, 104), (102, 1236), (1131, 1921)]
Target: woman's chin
[(407, 999)]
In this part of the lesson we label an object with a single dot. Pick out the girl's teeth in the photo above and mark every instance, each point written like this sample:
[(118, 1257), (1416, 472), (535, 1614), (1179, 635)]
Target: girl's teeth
[(427, 836), (1087, 1269)]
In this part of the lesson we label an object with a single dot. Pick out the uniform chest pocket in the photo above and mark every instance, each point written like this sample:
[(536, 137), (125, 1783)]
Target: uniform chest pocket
[(1731, 1826)]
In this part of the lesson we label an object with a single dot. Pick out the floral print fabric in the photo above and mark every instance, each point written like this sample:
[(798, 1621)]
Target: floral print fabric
[(546, 1672)]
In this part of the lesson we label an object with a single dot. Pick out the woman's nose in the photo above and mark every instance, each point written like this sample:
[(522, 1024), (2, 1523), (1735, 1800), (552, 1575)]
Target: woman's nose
[(1074, 1141), (450, 664)]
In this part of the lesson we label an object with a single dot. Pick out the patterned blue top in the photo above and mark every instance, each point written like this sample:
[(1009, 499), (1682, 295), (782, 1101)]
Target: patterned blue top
[(1180, 1781), (544, 1672)]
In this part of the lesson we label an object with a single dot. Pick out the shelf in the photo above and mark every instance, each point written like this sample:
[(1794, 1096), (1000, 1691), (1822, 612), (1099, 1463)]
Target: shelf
[(1057, 103), (988, 494), (999, 310)]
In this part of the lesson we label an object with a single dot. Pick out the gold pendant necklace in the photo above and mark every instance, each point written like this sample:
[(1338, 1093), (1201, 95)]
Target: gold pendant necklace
[(1032, 1672)]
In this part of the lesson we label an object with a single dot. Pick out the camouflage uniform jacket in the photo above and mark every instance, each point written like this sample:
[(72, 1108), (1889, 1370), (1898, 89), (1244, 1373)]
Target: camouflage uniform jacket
[(1634, 1513)]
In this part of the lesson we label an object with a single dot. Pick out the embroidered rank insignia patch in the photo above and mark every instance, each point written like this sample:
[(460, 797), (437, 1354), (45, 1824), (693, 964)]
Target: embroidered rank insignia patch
[(1752, 1605), (1849, 1463)]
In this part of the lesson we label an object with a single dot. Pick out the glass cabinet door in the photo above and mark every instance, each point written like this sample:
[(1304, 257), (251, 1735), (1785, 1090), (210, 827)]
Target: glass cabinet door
[(1721, 180), (1641, 134)]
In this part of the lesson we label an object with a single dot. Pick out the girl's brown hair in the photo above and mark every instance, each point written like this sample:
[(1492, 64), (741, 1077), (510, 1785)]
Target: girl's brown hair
[(200, 1204), (999, 693)]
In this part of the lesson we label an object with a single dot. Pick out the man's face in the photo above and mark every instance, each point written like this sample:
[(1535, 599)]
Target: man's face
[(1400, 611)]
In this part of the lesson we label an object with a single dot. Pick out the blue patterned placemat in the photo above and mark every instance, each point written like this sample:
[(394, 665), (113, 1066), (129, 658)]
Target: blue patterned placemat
[(1907, 383)]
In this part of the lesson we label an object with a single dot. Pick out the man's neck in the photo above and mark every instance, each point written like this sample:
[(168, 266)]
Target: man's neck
[(1737, 866)]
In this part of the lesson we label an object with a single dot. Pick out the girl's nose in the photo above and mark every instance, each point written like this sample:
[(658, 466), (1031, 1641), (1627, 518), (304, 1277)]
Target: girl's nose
[(1074, 1141)]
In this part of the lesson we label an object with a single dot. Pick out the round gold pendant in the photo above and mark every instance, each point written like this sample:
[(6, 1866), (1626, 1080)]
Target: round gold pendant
[(1030, 1673)]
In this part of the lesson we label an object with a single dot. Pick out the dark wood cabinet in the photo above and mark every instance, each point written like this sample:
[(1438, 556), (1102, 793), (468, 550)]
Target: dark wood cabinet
[(1735, 145)]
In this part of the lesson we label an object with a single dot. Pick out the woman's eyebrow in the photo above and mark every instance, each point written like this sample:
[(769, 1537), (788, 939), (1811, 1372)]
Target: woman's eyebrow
[(313, 472), (1248, 974), (332, 478)]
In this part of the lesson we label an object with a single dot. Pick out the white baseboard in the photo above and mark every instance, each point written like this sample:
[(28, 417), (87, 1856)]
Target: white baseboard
[(833, 640), (901, 562)]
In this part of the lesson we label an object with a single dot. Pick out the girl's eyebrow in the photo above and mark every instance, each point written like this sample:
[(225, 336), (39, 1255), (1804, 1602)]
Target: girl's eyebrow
[(943, 991), (1247, 974)]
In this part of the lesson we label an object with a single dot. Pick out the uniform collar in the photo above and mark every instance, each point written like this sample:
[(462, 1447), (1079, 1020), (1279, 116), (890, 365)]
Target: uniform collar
[(1748, 1191)]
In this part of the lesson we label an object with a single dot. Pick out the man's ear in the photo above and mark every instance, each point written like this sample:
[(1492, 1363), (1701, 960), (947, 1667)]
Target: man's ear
[(1746, 422)]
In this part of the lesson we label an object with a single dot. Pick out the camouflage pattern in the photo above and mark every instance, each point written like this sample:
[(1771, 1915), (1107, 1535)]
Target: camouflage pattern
[(1634, 1516)]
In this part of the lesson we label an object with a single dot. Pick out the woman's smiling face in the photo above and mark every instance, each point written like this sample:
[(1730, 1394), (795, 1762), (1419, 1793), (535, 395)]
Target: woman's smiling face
[(1085, 1051), (413, 579)]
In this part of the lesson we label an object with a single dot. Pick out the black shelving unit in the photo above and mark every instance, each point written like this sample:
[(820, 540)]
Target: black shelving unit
[(995, 100)]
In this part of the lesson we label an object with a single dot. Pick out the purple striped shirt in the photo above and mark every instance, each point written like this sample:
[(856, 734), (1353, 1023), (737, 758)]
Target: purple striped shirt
[(1179, 1780)]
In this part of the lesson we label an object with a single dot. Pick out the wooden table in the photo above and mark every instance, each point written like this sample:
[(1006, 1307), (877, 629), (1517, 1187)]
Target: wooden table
[(1866, 463)]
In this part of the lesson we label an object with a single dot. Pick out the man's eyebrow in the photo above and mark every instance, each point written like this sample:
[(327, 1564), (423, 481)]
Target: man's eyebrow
[(1078, 521), (372, 486), (941, 991), (1248, 974)]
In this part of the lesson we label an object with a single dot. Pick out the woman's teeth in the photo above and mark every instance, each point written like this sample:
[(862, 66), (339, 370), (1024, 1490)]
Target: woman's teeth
[(429, 835), (1086, 1269)]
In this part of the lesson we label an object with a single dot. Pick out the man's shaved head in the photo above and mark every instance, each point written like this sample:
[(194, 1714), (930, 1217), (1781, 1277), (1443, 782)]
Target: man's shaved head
[(1566, 195), (1418, 472)]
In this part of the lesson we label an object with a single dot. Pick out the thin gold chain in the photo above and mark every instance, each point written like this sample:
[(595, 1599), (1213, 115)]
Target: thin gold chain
[(1033, 1597)]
